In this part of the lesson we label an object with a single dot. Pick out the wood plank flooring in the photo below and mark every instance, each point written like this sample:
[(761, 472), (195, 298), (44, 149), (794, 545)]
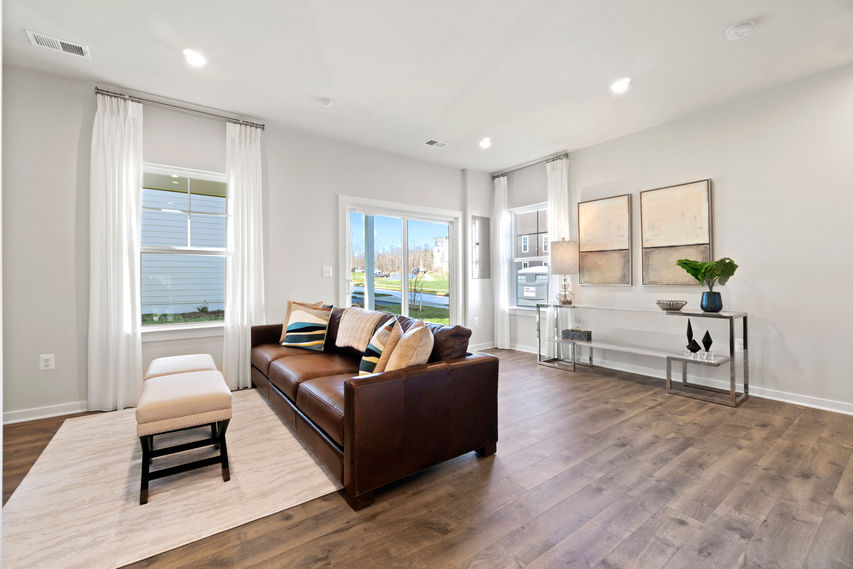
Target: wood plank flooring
[(594, 469)]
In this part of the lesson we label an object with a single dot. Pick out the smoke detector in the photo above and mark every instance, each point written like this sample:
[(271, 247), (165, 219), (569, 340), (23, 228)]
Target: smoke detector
[(56, 44), (435, 143), (740, 30)]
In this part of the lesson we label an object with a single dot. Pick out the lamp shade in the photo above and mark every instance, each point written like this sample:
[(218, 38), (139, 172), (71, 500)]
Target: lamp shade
[(564, 257)]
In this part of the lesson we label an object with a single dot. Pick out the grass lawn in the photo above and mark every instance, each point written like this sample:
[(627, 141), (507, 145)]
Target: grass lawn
[(430, 314), (186, 317)]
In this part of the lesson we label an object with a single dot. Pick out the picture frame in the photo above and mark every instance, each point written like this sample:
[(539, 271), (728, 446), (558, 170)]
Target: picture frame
[(605, 252), (676, 222)]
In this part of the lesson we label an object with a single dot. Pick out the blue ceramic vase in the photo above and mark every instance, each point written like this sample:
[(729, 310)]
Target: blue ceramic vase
[(711, 301)]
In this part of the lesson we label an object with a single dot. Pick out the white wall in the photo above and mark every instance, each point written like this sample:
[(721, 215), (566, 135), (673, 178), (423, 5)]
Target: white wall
[(304, 176), (480, 309), (46, 138), (782, 175)]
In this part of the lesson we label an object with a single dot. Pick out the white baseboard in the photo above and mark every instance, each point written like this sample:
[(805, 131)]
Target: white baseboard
[(754, 390), (481, 346), (22, 415), (521, 348)]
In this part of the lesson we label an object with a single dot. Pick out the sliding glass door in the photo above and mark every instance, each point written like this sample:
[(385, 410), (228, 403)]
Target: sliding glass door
[(382, 277)]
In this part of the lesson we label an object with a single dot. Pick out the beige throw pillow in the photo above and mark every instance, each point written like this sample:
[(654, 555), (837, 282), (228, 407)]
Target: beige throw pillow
[(356, 328), (413, 349)]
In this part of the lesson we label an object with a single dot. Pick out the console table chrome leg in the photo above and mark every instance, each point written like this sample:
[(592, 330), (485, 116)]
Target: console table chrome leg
[(732, 364), (684, 374), (745, 361)]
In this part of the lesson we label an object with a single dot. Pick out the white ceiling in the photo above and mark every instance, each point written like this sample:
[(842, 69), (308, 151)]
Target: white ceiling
[(532, 75)]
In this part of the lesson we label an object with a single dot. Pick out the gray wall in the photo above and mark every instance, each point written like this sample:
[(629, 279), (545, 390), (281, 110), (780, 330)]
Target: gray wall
[(782, 173), (46, 140)]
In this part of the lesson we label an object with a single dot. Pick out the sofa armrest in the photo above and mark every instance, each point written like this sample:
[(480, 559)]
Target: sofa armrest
[(266, 334), (400, 422)]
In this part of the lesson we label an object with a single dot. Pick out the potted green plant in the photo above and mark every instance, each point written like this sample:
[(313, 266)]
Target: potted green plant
[(710, 273)]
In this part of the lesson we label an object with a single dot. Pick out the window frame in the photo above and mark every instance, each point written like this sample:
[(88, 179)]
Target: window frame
[(163, 169), (349, 204), (525, 261)]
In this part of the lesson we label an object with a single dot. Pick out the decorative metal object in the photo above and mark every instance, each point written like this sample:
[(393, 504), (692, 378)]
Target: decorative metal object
[(576, 334), (707, 341), (694, 346), (689, 331), (671, 305)]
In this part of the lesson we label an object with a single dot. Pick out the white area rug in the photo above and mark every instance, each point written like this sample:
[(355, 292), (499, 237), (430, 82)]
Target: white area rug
[(79, 504)]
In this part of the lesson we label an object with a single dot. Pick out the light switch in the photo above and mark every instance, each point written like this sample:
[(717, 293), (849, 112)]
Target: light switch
[(326, 271)]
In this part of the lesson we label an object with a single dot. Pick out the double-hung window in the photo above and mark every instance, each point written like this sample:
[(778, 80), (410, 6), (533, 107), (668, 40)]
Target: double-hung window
[(183, 245), (530, 256)]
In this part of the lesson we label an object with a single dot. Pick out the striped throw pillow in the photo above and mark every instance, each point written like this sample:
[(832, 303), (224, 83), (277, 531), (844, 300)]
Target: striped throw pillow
[(380, 347), (306, 327)]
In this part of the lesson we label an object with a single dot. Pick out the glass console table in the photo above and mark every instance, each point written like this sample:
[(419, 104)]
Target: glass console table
[(563, 353)]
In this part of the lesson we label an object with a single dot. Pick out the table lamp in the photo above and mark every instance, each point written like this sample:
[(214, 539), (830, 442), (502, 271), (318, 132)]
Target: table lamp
[(564, 261)]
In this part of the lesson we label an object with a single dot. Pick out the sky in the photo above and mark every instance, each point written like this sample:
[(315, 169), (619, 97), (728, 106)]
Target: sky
[(388, 232)]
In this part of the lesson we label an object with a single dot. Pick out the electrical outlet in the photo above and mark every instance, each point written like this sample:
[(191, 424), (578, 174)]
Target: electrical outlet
[(476, 321), (326, 271), (47, 361)]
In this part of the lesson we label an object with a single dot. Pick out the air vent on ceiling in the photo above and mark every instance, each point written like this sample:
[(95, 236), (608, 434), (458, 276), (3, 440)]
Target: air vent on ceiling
[(47, 42), (435, 143)]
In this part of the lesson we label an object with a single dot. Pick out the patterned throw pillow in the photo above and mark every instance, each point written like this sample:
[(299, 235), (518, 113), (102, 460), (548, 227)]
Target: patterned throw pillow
[(306, 327), (413, 349), (380, 348), (290, 304)]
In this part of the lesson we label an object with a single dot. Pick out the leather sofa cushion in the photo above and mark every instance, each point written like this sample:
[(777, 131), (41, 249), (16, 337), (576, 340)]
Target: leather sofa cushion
[(265, 354), (287, 373), (322, 400), (451, 342)]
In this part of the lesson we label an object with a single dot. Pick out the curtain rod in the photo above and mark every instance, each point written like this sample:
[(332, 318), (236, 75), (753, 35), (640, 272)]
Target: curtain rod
[(180, 108), (545, 160)]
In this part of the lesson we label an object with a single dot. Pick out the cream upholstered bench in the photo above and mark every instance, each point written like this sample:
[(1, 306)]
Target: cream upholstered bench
[(178, 393)]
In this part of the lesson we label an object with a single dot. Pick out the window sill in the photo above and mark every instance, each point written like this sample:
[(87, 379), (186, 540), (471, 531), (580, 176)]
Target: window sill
[(527, 311), (169, 332)]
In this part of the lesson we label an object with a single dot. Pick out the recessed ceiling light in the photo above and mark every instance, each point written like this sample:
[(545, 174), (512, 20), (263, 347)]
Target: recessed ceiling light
[(485, 143), (740, 30), (195, 58), (174, 175), (620, 85), (325, 101), (175, 182)]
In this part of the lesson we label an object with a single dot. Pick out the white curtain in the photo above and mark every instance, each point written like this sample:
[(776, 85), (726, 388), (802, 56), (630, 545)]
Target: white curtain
[(558, 199), (244, 269), (558, 209), (501, 259), (115, 348)]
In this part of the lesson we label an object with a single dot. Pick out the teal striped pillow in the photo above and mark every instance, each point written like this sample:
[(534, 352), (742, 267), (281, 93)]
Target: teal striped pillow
[(380, 347), (307, 326)]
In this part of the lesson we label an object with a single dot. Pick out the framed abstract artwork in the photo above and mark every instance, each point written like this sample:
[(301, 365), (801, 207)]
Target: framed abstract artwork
[(675, 223), (604, 241)]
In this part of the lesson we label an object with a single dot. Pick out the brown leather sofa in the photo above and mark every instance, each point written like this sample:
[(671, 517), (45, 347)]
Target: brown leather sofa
[(374, 429)]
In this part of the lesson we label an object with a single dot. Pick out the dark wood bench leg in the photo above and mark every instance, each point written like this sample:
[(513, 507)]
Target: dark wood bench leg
[(147, 443), (360, 501), (213, 434), (222, 426), (487, 450)]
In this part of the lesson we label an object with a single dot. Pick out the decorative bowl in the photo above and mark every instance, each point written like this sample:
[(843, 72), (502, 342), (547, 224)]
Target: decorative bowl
[(671, 305)]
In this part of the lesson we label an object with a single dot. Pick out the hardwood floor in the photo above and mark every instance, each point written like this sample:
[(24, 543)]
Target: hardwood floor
[(593, 469)]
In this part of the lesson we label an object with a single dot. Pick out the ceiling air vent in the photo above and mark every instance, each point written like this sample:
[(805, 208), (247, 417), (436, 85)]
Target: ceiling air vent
[(435, 143), (47, 42)]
